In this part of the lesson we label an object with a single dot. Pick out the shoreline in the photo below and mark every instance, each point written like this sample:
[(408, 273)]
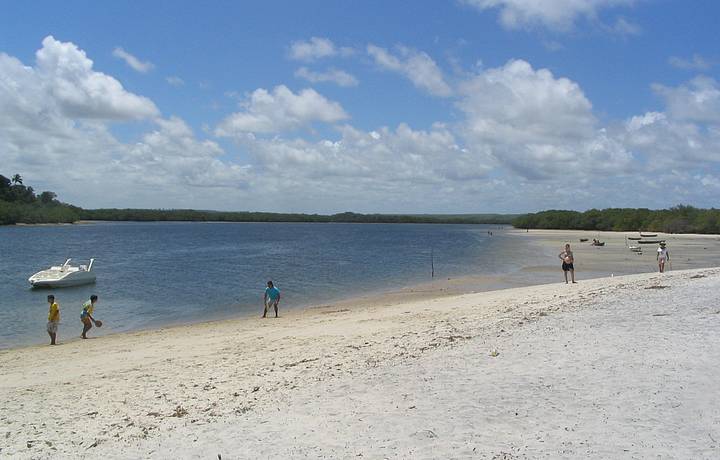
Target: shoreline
[(186, 390), (546, 241)]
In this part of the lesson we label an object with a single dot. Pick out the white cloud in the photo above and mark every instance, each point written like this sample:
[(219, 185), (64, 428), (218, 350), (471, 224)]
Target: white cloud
[(698, 100), (66, 77), (625, 27), (316, 48), (553, 14), (175, 81), (281, 110), (132, 61), (339, 77), (173, 154), (54, 130), (536, 125), (417, 66), (696, 62)]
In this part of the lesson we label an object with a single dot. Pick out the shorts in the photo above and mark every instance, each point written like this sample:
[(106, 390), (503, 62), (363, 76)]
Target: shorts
[(86, 320), (272, 303), (567, 267), (52, 326)]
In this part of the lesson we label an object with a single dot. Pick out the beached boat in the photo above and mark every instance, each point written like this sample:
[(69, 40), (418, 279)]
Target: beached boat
[(64, 275), (651, 241), (634, 238), (597, 243), (648, 235), (582, 240), (635, 248)]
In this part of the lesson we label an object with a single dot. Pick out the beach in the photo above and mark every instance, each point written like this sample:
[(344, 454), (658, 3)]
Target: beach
[(612, 367)]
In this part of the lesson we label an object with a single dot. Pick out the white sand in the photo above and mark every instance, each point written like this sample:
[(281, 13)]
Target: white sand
[(608, 368)]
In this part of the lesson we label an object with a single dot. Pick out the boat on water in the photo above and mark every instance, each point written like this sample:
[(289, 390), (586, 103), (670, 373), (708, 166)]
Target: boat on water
[(64, 275)]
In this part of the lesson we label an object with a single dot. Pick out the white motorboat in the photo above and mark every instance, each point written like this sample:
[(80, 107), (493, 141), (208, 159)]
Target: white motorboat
[(64, 275)]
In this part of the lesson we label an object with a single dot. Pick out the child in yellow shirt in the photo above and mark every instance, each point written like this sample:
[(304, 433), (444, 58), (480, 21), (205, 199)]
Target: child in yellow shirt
[(53, 319)]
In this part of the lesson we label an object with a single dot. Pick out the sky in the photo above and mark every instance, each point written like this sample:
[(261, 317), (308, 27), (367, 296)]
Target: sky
[(457, 106)]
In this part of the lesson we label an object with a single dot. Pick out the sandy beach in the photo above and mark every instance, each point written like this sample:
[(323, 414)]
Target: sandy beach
[(614, 367)]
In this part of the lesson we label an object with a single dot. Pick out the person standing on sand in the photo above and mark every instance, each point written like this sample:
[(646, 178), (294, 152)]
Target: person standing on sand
[(662, 256), (53, 319), (271, 298), (568, 263), (86, 315)]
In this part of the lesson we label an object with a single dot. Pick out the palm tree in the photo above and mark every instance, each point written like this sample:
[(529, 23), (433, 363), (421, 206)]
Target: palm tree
[(17, 179)]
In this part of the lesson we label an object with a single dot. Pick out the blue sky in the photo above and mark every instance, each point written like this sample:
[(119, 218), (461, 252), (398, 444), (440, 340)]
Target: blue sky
[(457, 106)]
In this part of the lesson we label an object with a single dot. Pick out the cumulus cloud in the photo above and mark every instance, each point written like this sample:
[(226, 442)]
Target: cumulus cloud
[(280, 110), (698, 100), (553, 14), (132, 61), (339, 77), (316, 48), (173, 153), (67, 77), (417, 66), (54, 128), (536, 125)]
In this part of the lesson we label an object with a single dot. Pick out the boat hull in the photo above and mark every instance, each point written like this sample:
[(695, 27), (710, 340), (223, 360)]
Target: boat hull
[(55, 279), (61, 283)]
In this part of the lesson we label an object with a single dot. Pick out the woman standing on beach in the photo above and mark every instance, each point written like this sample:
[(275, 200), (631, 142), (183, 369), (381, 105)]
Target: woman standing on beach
[(568, 261), (662, 256)]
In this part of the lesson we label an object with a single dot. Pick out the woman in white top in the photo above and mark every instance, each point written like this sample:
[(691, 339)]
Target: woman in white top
[(662, 256)]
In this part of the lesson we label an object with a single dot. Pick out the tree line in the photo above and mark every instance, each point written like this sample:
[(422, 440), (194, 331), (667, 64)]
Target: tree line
[(678, 219), (149, 215), (20, 204)]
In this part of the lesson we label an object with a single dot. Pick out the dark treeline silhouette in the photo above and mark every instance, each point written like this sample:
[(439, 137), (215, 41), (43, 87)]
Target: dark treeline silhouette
[(678, 219), (146, 215), (20, 204)]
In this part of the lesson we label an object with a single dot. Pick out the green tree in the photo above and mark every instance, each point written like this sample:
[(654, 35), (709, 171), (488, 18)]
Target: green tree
[(17, 179)]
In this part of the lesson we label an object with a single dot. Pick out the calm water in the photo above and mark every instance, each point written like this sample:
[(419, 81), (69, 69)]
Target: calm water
[(154, 274)]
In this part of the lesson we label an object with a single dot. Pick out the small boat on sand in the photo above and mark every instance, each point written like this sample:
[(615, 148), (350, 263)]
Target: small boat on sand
[(634, 238), (582, 240), (64, 275), (648, 235), (651, 241)]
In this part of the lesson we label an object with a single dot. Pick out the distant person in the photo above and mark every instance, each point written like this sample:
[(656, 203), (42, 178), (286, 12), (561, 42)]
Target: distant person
[(86, 316), (662, 256), (53, 319), (568, 261), (271, 298)]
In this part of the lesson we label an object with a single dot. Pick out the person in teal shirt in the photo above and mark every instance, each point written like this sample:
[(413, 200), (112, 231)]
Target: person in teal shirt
[(271, 298)]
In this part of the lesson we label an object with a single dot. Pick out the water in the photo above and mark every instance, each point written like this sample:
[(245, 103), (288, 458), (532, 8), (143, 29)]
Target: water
[(156, 274)]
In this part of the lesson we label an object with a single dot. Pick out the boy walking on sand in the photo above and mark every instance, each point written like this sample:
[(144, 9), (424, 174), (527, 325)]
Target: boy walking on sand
[(53, 319), (271, 298), (86, 315)]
